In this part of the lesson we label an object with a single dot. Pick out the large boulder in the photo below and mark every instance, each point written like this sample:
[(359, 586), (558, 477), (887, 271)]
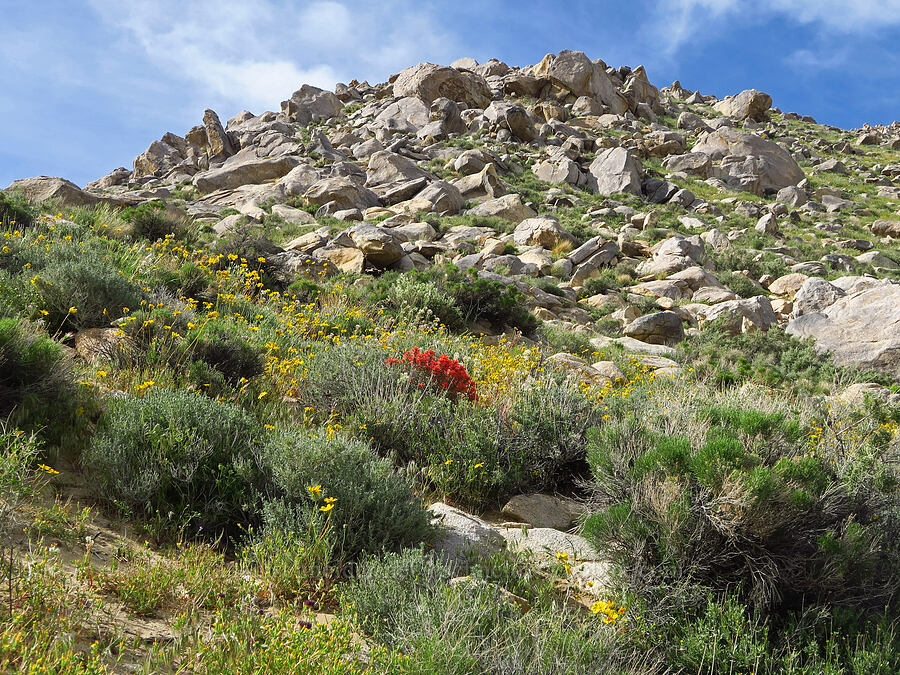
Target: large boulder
[(247, 172), (659, 328), (311, 104), (887, 228), (440, 197), (428, 82), (508, 207), (405, 115), (344, 192), (160, 157), (379, 245), (557, 168), (615, 170), (541, 231), (695, 163), (741, 316), (344, 258), (861, 329), (577, 73), (673, 255), (749, 161), (218, 143), (513, 117), (43, 188), (814, 295), (389, 167), (638, 90), (749, 104)]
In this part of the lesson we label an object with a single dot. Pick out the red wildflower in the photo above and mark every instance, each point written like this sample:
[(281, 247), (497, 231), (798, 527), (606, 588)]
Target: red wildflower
[(448, 374)]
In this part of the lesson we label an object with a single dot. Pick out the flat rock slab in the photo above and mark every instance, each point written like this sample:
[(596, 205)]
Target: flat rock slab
[(860, 329), (540, 510), (463, 534)]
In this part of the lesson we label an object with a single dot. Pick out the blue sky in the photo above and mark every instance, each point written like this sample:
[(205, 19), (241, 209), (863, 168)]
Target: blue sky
[(85, 85)]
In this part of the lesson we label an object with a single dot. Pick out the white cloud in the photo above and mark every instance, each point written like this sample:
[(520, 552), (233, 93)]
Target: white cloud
[(676, 22), (255, 53), (841, 16)]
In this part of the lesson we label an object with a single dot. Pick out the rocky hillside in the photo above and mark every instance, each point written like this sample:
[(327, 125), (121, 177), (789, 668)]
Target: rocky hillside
[(625, 360), (568, 174)]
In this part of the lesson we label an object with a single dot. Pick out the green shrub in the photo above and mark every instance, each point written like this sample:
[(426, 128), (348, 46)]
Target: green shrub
[(481, 299), (609, 279), (34, 373), (250, 247), (406, 602), (305, 291), (235, 358), (740, 285), (178, 451), (85, 292), (772, 357), (153, 224), (15, 211), (740, 503), (387, 588), (756, 263), (294, 565), (475, 298), (723, 635), (375, 510), (190, 280), (18, 453), (561, 340), (412, 291), (477, 452)]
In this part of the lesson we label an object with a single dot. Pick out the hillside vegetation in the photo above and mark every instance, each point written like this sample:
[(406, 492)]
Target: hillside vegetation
[(480, 370)]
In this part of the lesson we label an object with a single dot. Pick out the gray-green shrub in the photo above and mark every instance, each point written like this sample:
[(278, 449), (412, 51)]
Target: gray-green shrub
[(375, 510), (179, 451)]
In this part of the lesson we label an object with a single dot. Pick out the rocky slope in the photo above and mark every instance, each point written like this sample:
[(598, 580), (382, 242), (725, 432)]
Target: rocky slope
[(537, 154), (555, 172)]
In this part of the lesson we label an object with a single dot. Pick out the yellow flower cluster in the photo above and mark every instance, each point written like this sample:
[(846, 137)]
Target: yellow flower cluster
[(611, 613)]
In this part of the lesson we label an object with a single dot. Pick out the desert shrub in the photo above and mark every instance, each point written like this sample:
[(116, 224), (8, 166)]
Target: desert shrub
[(739, 501), (740, 285), (294, 565), (757, 263), (15, 211), (18, 453), (375, 509), (487, 300), (387, 587), (305, 291), (178, 451), (85, 292), (232, 356), (723, 635), (477, 299), (476, 452), (190, 280), (772, 357), (412, 291), (249, 248), (406, 602), (150, 221), (34, 374), (545, 284), (561, 340), (610, 278)]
